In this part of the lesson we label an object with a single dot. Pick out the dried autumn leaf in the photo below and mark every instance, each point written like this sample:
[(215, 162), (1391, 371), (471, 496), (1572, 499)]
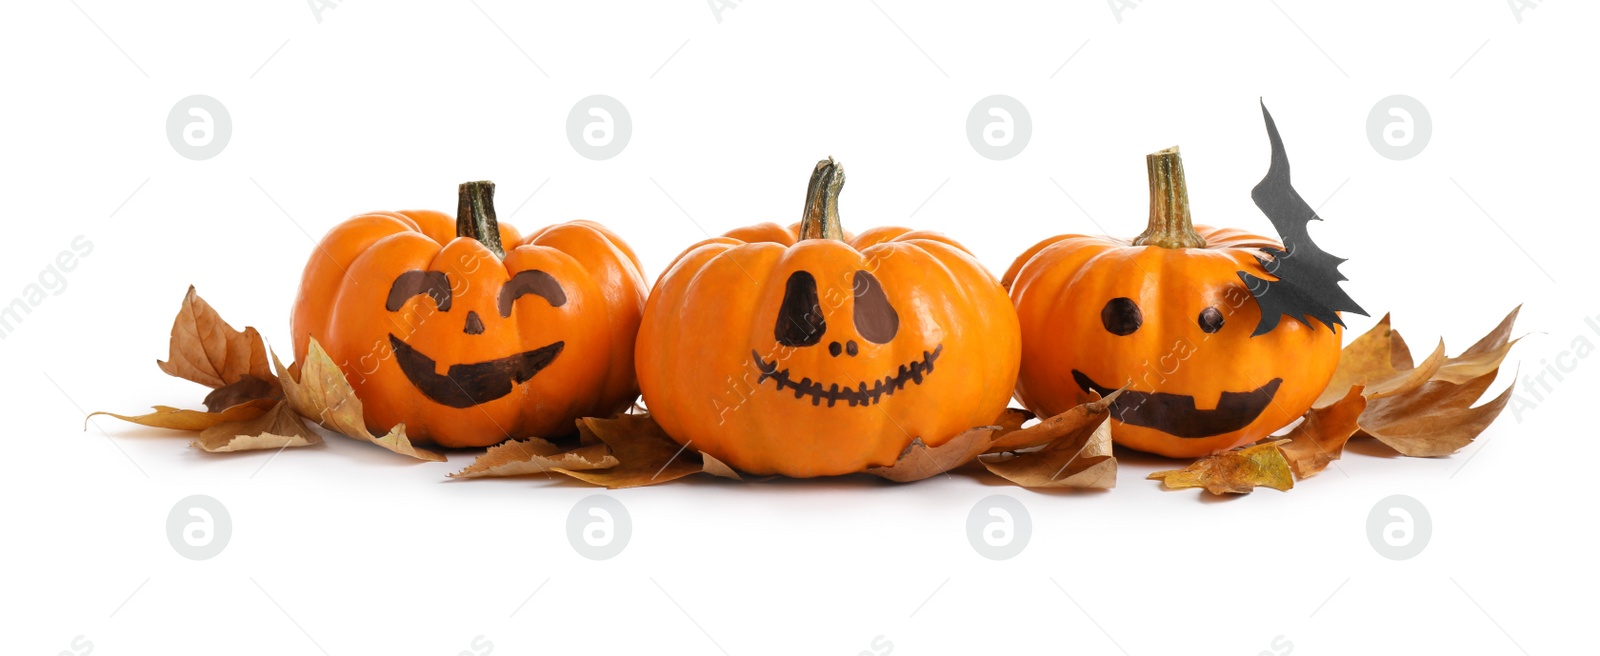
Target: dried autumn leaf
[(645, 454), (278, 428), (1011, 421), (1436, 419), (1320, 439), (1233, 472), (919, 461), (1081, 417), (192, 420), (206, 350), (536, 456), (1373, 360), (322, 394), (247, 388), (717, 467), (1080, 458), (1482, 358)]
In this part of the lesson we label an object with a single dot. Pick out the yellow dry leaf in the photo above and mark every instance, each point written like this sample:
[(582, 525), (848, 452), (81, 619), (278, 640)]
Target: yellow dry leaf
[(278, 428), (536, 456), (1080, 458), (1320, 439), (1234, 472), (192, 420), (322, 394), (206, 350)]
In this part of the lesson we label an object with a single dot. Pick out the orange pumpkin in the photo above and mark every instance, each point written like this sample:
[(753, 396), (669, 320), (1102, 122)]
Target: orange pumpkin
[(805, 352), (438, 326), (1167, 316)]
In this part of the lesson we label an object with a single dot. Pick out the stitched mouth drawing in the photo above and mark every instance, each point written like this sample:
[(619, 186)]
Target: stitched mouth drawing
[(467, 385), (1176, 414), (912, 373)]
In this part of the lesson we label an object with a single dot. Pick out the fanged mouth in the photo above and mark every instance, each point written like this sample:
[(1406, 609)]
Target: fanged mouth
[(1175, 414), (861, 394), (467, 385)]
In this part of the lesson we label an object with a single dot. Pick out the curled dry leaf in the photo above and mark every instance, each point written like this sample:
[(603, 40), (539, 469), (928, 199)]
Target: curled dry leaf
[(1320, 439), (919, 461), (206, 350), (1234, 472), (1079, 458), (278, 428), (1065, 424), (536, 456), (247, 388), (322, 394), (645, 455), (1418, 410), (1436, 419), (192, 420)]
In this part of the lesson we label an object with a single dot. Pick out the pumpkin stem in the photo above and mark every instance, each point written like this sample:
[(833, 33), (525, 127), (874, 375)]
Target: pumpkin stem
[(1170, 224), (821, 218), (475, 215)]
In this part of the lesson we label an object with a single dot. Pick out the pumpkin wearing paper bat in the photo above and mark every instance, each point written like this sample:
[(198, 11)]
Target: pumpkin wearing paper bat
[(806, 352), (469, 333), (1189, 319)]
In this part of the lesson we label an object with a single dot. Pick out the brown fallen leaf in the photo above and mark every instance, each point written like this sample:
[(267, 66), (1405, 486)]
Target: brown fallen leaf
[(206, 350), (1436, 419), (919, 461), (322, 394), (645, 454), (1234, 472), (1380, 361), (1080, 458), (192, 420), (536, 456), (247, 388), (1320, 439), (1011, 421), (717, 467), (278, 428), (1047, 431), (1483, 357)]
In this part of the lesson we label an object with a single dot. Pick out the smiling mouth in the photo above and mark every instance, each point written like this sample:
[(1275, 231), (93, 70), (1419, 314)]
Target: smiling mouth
[(1175, 414), (912, 372), (467, 385)]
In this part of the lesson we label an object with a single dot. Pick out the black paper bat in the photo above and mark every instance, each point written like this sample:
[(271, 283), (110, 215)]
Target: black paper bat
[(1308, 277)]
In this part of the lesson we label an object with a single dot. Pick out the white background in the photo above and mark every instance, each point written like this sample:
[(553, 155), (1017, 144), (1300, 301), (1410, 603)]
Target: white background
[(347, 549)]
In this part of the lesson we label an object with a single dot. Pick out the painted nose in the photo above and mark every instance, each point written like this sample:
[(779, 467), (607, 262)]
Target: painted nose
[(474, 324), (849, 348)]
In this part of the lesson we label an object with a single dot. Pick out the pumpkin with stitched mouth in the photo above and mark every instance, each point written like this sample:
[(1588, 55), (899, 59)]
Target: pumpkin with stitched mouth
[(1185, 319), (466, 331), (808, 352)]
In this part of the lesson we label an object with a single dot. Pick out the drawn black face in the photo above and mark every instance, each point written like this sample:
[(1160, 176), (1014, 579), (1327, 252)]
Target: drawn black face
[(800, 324), (465, 385), (1175, 414)]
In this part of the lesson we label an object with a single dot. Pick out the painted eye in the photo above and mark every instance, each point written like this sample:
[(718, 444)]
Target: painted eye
[(534, 282), (1121, 316), (800, 316), (418, 283), (876, 320), (1210, 320)]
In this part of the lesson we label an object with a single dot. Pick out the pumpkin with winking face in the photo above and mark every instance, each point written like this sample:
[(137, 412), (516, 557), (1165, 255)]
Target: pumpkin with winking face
[(469, 333)]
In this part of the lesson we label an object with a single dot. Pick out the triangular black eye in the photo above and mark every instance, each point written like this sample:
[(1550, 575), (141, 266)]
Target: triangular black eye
[(876, 320), (800, 317)]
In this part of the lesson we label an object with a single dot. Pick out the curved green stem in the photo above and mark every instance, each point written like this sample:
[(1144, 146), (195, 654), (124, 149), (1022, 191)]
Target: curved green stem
[(1170, 224), (821, 217), (475, 215)]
